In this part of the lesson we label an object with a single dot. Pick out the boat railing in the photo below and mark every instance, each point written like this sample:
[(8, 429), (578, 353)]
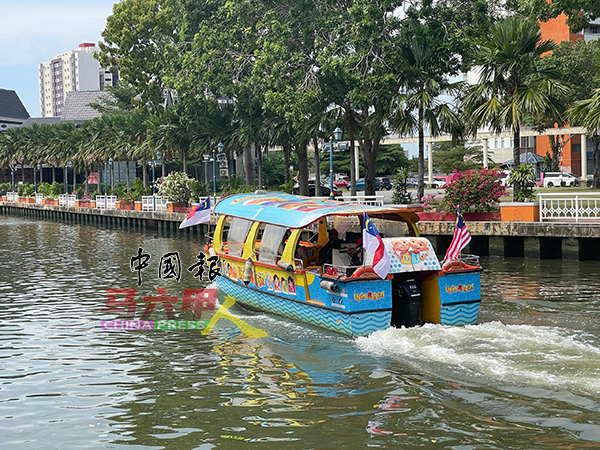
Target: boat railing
[(463, 260)]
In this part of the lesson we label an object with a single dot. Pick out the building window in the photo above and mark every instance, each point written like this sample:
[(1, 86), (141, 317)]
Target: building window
[(594, 29)]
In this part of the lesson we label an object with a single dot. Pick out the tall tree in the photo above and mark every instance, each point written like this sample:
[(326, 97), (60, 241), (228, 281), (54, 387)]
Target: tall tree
[(511, 86)]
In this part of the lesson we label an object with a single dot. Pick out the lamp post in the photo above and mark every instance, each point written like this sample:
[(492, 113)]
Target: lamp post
[(110, 167), (65, 177), (337, 135), (12, 172), (35, 170), (154, 163), (70, 167), (105, 187), (220, 146)]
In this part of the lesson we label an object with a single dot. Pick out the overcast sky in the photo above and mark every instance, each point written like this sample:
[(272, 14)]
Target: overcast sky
[(33, 31)]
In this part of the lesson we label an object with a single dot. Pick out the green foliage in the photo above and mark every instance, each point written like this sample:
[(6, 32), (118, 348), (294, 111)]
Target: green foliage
[(199, 190), (177, 187), (400, 194), (51, 191), (524, 177), (287, 187), (448, 158), (4, 188), (25, 190), (474, 191), (273, 169), (237, 186)]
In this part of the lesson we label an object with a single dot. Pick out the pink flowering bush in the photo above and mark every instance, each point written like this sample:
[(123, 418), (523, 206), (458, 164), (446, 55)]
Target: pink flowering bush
[(477, 190), (431, 202)]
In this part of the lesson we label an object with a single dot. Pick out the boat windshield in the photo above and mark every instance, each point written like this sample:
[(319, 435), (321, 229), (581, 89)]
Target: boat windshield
[(272, 237), (238, 231)]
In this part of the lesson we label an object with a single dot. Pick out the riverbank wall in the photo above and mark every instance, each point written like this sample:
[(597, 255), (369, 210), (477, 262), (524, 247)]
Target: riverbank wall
[(531, 240)]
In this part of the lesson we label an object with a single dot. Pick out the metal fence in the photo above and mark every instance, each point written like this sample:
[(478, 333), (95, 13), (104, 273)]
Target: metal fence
[(39, 198), (374, 200), (567, 207), (12, 196), (106, 201), (154, 203)]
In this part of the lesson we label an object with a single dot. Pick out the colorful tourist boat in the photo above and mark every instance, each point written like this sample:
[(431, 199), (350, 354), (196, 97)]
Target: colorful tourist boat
[(273, 250)]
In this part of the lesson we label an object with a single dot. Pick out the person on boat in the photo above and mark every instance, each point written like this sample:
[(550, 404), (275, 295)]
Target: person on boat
[(326, 253), (356, 253)]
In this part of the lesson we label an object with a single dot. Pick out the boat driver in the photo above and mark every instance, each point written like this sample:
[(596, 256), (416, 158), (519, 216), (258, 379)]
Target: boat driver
[(334, 242)]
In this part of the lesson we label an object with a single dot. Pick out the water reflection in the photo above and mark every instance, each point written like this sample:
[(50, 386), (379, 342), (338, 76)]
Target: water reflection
[(526, 377)]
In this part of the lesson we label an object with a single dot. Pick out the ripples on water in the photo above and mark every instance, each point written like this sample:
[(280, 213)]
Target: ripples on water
[(527, 377)]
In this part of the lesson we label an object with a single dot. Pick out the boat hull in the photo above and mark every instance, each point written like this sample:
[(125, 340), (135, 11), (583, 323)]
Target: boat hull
[(350, 323)]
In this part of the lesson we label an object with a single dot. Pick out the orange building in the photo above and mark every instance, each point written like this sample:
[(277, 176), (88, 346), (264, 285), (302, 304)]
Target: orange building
[(571, 158)]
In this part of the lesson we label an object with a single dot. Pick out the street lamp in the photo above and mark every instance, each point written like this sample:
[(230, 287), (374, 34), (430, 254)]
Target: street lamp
[(337, 135), (220, 146), (12, 172), (110, 167), (154, 163), (70, 167), (105, 188), (35, 170)]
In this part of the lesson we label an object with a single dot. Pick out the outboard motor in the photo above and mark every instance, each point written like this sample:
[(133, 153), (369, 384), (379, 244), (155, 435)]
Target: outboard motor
[(406, 304)]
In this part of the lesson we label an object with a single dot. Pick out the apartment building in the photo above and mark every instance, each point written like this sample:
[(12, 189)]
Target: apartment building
[(75, 70)]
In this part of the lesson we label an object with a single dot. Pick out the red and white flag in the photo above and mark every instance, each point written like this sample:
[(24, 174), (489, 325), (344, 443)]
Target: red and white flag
[(461, 237), (199, 214), (373, 244)]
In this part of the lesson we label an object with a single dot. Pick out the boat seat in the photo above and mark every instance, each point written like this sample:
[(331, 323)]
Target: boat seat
[(341, 259)]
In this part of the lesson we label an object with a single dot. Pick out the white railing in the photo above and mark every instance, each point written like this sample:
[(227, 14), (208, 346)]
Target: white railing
[(106, 201), (66, 199), (154, 203), (374, 200), (39, 198), (12, 196), (570, 207)]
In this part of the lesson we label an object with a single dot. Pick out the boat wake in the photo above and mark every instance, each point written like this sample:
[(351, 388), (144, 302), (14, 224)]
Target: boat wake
[(491, 353)]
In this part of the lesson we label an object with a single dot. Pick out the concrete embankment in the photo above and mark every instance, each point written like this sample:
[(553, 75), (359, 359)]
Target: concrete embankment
[(576, 241)]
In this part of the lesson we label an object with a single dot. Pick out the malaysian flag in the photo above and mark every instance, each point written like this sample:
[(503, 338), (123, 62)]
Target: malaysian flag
[(373, 244), (461, 237), (199, 214)]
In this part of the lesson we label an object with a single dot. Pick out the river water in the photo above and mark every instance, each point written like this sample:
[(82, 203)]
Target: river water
[(526, 377)]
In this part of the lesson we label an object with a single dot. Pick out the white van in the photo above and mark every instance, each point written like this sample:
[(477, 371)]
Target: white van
[(552, 179)]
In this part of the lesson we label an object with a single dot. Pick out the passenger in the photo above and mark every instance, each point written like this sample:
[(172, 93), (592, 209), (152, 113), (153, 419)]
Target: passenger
[(334, 242), (356, 253)]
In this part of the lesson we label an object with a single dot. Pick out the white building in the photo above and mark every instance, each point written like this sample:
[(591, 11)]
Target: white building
[(75, 70)]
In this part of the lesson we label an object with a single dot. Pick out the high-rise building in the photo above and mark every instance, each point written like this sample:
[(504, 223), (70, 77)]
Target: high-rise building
[(75, 70)]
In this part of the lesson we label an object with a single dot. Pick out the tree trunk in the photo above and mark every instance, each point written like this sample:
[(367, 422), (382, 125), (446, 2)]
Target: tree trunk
[(249, 164), (86, 188), (286, 161), (183, 161), (421, 162), (370, 148), (23, 173), (260, 167), (353, 174), (53, 174), (317, 167), (303, 168), (516, 157)]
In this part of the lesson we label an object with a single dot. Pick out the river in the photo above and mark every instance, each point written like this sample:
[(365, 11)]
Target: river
[(526, 377)]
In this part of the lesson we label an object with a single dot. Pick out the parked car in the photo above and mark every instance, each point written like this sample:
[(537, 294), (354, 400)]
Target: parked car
[(386, 183), (342, 182), (360, 185), (438, 182), (411, 183), (552, 179), (325, 190)]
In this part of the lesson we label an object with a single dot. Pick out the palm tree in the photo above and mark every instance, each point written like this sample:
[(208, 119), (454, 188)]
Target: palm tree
[(587, 113), (419, 106), (511, 87)]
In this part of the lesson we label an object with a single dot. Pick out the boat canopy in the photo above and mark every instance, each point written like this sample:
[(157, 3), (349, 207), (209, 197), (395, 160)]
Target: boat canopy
[(295, 211)]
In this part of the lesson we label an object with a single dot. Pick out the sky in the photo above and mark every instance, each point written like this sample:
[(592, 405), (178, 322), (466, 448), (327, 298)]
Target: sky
[(33, 31)]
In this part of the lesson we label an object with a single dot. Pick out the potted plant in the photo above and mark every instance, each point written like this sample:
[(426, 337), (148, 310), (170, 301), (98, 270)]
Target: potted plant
[(525, 208)]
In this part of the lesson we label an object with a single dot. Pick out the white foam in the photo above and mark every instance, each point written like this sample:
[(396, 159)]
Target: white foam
[(547, 357)]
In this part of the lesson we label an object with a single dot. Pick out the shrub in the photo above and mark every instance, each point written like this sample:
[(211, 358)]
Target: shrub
[(177, 187), (400, 195), (25, 190), (198, 190), (4, 188), (474, 191), (431, 202), (524, 176)]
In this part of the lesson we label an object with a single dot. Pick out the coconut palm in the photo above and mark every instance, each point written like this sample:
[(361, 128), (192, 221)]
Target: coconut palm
[(510, 86), (419, 107)]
